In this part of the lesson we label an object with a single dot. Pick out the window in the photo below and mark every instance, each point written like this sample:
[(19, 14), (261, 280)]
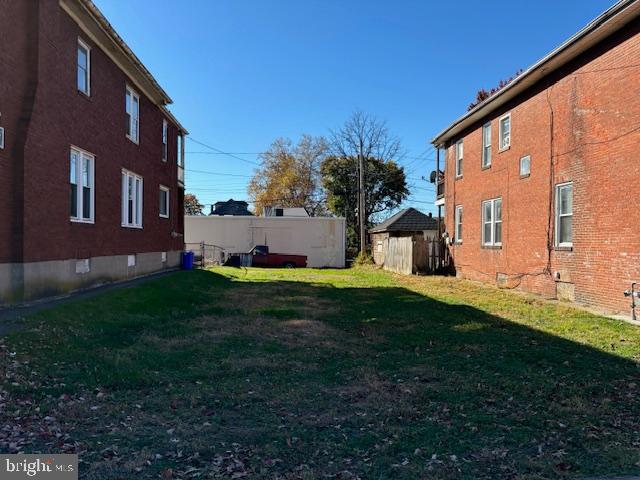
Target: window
[(525, 166), (164, 201), (459, 155), (84, 67), (486, 145), (1, 137), (164, 140), (492, 222), (505, 132), (564, 215), (131, 200), (458, 225), (81, 177), (132, 106)]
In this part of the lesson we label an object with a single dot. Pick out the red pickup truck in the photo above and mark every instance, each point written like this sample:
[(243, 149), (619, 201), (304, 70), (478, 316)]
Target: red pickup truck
[(261, 257)]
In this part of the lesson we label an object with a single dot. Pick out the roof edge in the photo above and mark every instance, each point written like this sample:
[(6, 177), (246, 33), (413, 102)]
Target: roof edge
[(607, 23), (91, 20)]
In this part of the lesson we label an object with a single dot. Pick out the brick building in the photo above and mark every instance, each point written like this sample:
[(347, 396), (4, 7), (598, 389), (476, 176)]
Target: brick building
[(541, 180), (91, 161)]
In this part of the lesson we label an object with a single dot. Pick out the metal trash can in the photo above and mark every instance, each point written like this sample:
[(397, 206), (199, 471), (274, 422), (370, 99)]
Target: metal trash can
[(187, 260)]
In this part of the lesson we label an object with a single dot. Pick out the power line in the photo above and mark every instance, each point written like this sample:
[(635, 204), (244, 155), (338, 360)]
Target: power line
[(221, 152)]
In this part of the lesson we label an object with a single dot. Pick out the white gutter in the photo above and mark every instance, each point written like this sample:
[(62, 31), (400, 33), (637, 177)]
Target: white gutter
[(612, 20)]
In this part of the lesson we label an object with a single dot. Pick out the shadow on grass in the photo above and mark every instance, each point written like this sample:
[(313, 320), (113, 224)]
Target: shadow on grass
[(416, 387)]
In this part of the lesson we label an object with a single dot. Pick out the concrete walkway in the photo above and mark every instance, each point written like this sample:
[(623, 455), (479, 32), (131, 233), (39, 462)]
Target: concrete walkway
[(11, 318)]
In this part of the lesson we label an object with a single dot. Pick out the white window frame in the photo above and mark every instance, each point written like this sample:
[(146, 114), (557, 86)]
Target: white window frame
[(167, 201), (486, 159), (129, 96), (459, 156), (520, 166), (137, 199), (165, 147), (502, 132), (82, 44), (559, 215), (458, 219), (490, 242), (1, 138), (83, 155)]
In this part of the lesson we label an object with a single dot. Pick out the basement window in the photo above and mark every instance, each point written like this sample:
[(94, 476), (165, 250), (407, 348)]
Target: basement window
[(81, 181), (131, 199), (492, 222), (459, 157), (84, 68), (132, 108), (564, 215)]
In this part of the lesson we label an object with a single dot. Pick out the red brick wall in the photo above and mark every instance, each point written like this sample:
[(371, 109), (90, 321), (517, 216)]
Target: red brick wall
[(63, 117), (586, 118)]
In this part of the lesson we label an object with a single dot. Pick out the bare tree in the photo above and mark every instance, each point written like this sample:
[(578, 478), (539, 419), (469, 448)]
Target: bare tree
[(364, 137)]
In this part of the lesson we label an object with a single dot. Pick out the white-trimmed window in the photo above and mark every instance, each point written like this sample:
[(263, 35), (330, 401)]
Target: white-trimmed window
[(1, 137), (164, 201), (525, 166), (492, 222), (505, 131), (84, 68), (564, 215), (165, 150), (459, 157), (458, 224), (486, 145), (131, 199), (81, 180), (132, 107)]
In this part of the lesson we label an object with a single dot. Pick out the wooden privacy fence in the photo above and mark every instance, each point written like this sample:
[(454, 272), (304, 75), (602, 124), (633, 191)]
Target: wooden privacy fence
[(407, 255)]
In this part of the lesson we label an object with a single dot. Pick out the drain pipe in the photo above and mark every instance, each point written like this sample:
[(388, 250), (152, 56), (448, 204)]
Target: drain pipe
[(633, 293)]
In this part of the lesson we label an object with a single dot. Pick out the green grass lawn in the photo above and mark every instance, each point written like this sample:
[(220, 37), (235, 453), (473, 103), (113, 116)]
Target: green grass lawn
[(313, 374)]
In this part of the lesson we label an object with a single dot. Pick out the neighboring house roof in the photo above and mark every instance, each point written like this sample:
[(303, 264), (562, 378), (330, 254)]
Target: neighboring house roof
[(612, 20), (231, 207), (407, 220), (95, 25)]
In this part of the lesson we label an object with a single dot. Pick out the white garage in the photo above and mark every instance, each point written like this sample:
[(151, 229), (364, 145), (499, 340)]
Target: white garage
[(321, 239)]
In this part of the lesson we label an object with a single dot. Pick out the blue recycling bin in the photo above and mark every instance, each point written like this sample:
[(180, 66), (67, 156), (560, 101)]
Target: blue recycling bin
[(187, 260)]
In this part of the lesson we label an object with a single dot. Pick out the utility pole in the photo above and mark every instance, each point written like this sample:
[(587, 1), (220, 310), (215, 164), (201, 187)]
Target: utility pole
[(361, 205)]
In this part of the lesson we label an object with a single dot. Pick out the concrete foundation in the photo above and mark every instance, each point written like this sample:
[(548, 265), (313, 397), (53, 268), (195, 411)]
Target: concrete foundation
[(20, 282)]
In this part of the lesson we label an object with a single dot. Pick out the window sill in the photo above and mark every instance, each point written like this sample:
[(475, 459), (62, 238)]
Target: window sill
[(525, 176), (86, 95), (458, 177), (164, 216), (133, 227), (458, 242), (485, 167), (80, 220), (505, 149), (132, 140), (563, 248), (492, 247)]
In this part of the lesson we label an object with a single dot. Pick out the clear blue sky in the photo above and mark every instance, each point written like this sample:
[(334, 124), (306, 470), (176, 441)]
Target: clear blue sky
[(244, 72)]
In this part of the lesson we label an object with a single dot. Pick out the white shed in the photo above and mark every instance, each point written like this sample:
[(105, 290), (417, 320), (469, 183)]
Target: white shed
[(321, 239)]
